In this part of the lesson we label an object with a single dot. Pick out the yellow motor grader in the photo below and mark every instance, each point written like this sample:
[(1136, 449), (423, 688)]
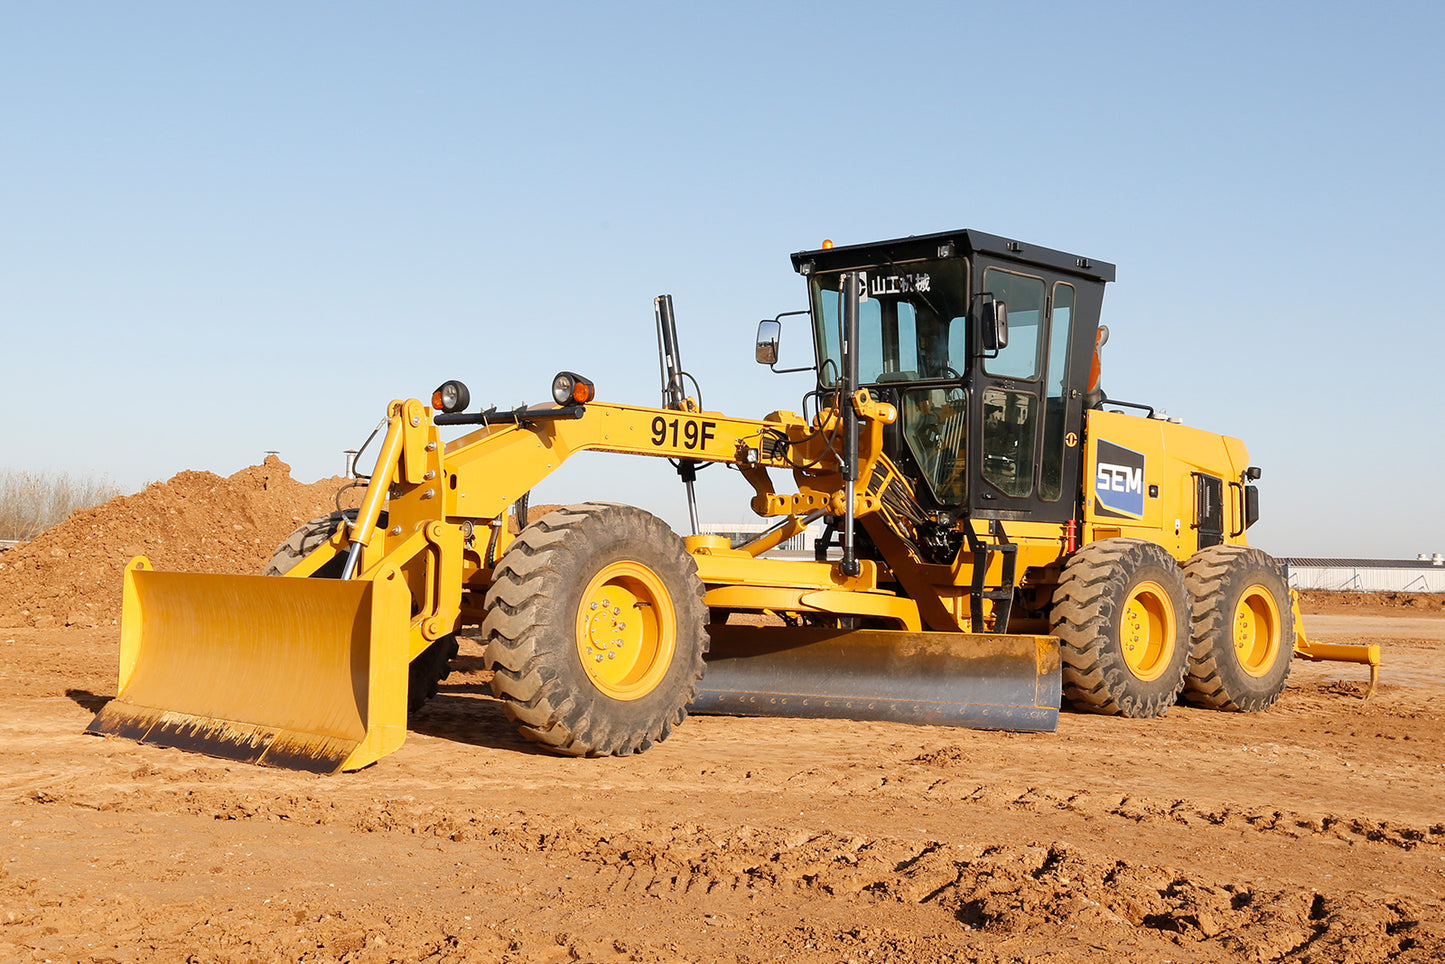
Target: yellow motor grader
[(998, 536)]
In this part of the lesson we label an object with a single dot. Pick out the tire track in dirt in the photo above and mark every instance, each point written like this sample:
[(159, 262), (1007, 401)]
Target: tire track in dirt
[(1307, 834), (999, 891), (403, 815), (1186, 813)]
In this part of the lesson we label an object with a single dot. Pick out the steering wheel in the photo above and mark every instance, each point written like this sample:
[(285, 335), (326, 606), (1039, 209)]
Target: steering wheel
[(928, 433)]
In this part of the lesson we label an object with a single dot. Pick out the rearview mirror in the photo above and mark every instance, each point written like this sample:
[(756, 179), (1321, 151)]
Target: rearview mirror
[(769, 332), (995, 325)]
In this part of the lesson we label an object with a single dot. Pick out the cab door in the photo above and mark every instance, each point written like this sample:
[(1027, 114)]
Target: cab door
[(1026, 406)]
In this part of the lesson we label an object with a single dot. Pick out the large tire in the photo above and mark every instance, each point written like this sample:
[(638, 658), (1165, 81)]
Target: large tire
[(430, 667), (425, 674), (306, 539), (1121, 614), (1242, 627), (595, 630)]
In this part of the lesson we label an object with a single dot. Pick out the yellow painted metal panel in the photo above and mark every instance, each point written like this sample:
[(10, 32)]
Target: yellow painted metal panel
[(387, 658), (1170, 454), (286, 672), (744, 570)]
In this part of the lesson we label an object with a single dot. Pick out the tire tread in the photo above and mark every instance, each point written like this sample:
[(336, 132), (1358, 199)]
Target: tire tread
[(1207, 683), (1085, 605), (527, 584)]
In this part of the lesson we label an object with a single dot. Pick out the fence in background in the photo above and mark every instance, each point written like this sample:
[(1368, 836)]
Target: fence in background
[(1426, 574)]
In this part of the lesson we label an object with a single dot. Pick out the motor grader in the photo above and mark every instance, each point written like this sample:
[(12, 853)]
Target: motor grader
[(998, 537)]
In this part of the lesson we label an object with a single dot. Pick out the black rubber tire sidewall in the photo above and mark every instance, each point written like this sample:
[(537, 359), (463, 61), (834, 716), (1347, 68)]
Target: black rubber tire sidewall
[(427, 671), (1095, 586), (1216, 678), (570, 714)]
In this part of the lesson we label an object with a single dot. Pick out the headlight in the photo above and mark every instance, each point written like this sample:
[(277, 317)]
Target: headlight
[(570, 388), (451, 396)]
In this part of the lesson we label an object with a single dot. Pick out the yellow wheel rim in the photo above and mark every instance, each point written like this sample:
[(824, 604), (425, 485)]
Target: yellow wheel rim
[(1147, 631), (1256, 629), (626, 630)]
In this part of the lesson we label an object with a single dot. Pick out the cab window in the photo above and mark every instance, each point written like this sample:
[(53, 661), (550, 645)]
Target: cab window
[(934, 421), (1056, 395), (1024, 297), (912, 322), (1010, 419)]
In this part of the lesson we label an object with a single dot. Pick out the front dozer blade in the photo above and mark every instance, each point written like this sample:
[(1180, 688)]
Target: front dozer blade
[(995, 682), (304, 674)]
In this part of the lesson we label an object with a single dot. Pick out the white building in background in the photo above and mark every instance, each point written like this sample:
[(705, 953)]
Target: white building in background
[(1425, 573)]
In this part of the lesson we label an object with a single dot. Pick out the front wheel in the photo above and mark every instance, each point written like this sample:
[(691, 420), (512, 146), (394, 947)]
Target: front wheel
[(596, 630), (1121, 614), (1242, 627)]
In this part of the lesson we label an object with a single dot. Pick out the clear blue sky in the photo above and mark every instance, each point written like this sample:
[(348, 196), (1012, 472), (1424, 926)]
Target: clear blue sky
[(229, 228)]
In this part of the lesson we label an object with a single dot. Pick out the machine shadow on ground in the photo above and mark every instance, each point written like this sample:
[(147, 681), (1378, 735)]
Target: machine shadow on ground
[(467, 713)]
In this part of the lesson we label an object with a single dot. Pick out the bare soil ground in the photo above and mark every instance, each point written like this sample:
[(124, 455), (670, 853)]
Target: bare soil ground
[(1313, 832)]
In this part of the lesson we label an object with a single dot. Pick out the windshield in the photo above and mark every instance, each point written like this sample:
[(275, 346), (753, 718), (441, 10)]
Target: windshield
[(911, 322)]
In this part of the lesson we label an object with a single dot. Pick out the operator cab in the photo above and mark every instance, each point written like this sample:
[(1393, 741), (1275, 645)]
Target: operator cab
[(984, 345)]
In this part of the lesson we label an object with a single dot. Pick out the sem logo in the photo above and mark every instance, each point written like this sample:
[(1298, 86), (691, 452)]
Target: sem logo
[(1119, 482)]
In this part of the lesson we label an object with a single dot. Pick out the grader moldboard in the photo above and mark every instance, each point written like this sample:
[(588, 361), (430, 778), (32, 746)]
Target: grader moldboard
[(996, 537)]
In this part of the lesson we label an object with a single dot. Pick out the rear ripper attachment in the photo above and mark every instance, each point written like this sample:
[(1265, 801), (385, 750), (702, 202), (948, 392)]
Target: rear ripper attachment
[(997, 539)]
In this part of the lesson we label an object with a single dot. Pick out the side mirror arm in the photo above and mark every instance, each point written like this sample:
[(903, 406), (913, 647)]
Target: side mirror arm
[(770, 333)]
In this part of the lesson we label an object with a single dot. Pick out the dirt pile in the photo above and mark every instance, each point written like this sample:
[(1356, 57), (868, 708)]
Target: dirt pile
[(70, 574), (1388, 602)]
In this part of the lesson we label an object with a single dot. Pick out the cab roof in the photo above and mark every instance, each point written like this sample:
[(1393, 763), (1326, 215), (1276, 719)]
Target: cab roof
[(964, 241)]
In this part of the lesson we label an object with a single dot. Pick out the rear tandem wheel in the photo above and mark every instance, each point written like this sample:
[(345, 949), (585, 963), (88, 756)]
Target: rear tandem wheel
[(595, 630), (1242, 628), (1121, 613)]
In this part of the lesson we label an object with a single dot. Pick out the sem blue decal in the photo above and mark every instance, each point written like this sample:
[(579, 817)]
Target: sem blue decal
[(1119, 480)]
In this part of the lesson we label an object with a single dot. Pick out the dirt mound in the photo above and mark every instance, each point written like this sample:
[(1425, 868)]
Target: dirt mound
[(1390, 601), (70, 574)]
